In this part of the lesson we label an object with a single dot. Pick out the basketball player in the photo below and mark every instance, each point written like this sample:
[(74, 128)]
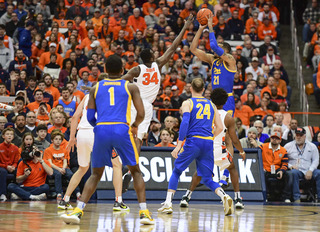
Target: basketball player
[(223, 150), (199, 116), (147, 77), (111, 99), (84, 142), (223, 69)]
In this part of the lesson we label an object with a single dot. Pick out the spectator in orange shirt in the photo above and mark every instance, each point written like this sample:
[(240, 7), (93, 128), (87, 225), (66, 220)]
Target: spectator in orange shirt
[(279, 83), (237, 7), (187, 10), (45, 57), (76, 95), (9, 157), (253, 21), (97, 20), (128, 33), (174, 80), (31, 173), (58, 121), (88, 68), (49, 87), (166, 140), (270, 84), (130, 63), (242, 111), (147, 5), (137, 22), (263, 110), (69, 107), (93, 78), (114, 21), (266, 28), (250, 89), (58, 157), (38, 97), (159, 11)]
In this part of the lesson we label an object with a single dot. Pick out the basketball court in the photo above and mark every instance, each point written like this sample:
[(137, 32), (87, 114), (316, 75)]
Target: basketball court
[(44, 216)]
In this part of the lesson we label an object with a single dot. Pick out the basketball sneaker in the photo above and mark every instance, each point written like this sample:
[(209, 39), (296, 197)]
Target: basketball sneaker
[(184, 203), (59, 197), (117, 206), (228, 205), (238, 203), (14, 197), (166, 208), (224, 183), (145, 217), (73, 217), (64, 205)]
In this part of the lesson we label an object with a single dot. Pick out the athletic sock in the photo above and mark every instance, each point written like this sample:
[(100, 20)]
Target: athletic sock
[(81, 205), (188, 194), (119, 199), (169, 197), (220, 193), (237, 195), (143, 206), (66, 198)]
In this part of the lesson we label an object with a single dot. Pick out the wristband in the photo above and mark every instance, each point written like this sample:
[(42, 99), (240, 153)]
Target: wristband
[(242, 153)]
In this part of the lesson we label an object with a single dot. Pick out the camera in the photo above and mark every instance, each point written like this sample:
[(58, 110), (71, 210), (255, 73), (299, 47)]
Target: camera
[(29, 153)]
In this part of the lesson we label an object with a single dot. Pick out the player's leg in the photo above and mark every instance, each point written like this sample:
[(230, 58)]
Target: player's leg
[(117, 183), (84, 147), (205, 163), (185, 158), (187, 196), (234, 175)]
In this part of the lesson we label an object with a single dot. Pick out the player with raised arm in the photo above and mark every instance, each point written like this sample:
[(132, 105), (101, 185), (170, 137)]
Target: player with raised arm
[(199, 116), (84, 142), (111, 99), (147, 77), (223, 150), (223, 68)]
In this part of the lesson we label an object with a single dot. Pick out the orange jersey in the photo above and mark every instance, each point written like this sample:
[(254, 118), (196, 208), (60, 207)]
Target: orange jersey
[(54, 92), (34, 106), (160, 145), (137, 23), (62, 129), (130, 66), (57, 156)]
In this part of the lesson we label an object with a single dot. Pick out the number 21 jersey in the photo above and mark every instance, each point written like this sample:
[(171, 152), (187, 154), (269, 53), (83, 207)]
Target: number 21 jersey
[(148, 82)]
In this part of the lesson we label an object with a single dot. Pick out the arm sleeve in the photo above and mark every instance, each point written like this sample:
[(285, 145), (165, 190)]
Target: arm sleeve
[(91, 118), (214, 46), (184, 126)]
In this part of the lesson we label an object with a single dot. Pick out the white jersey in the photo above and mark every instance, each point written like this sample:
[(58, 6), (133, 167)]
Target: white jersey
[(84, 124), (148, 82), (219, 140)]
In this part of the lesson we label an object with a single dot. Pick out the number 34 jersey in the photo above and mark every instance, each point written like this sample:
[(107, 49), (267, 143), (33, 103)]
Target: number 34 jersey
[(202, 115), (148, 82)]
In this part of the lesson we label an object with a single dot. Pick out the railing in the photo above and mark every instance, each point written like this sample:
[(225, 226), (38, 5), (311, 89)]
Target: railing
[(304, 105)]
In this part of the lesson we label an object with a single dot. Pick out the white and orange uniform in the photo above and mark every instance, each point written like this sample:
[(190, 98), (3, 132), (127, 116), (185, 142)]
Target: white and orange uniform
[(148, 83), (222, 156), (85, 137)]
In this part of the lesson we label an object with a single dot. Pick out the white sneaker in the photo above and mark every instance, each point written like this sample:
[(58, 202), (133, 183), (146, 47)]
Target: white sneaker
[(287, 201), (166, 208), (14, 197), (42, 196), (3, 197), (228, 205)]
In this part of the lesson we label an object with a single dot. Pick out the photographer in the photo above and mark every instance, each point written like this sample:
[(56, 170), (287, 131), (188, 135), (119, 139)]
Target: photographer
[(32, 172)]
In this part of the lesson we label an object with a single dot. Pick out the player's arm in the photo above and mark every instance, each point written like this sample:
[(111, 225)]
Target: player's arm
[(218, 126), (228, 58), (185, 110), (138, 104), (205, 57), (161, 61), (92, 107), (230, 124), (134, 72), (74, 124)]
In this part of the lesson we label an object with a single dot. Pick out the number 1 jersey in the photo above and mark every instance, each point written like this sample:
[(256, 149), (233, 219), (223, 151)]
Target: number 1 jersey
[(148, 82)]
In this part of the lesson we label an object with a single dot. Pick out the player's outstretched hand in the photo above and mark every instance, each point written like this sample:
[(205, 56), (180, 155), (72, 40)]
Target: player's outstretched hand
[(189, 21), (210, 20), (175, 152), (71, 144)]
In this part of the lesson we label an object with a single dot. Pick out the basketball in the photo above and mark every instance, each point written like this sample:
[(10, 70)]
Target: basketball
[(202, 16)]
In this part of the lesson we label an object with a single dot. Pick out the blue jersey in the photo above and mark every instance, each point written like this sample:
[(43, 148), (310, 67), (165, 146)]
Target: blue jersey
[(113, 101), (222, 77), (69, 108), (202, 116)]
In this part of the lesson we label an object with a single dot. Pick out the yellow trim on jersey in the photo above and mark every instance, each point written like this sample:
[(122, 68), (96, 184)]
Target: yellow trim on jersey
[(95, 92), (230, 94), (136, 154), (234, 71), (213, 64), (203, 137), (109, 79), (128, 114), (111, 123), (191, 104)]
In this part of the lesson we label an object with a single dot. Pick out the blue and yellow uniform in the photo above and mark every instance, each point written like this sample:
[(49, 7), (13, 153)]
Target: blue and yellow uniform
[(113, 106), (222, 77), (199, 138)]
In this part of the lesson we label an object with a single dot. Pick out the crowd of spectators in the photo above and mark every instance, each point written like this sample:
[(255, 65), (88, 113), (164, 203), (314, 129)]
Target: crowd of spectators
[(52, 53)]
